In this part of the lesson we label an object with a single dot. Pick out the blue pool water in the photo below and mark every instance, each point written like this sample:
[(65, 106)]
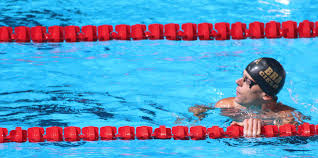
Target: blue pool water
[(151, 83)]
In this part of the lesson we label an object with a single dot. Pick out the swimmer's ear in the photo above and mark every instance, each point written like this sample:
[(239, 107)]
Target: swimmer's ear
[(267, 97)]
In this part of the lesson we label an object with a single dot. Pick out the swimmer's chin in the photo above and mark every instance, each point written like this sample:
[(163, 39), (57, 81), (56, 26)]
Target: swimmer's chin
[(238, 100)]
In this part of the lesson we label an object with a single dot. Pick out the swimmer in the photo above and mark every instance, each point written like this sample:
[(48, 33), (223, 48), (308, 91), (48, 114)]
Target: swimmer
[(255, 103)]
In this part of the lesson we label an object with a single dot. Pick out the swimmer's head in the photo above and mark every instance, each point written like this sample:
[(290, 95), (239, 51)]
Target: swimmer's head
[(268, 73), (261, 81)]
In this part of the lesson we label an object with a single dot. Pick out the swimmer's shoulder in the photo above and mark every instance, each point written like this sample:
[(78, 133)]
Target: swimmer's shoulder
[(284, 108), (225, 103), (289, 115), (287, 111)]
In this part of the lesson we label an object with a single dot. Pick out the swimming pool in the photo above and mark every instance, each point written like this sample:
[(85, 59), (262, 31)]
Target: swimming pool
[(149, 83)]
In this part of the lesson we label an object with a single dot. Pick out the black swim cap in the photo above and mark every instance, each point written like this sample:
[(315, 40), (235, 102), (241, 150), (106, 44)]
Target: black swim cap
[(268, 73)]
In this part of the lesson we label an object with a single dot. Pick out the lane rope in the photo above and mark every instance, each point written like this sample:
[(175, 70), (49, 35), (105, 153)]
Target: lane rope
[(91, 133), (171, 31)]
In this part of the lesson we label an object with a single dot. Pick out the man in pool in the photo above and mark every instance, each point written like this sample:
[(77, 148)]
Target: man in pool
[(255, 103)]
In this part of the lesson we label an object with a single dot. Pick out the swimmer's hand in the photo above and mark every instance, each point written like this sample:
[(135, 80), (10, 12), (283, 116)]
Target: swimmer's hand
[(199, 110), (252, 127)]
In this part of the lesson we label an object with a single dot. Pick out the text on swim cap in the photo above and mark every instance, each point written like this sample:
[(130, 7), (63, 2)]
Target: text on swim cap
[(271, 77)]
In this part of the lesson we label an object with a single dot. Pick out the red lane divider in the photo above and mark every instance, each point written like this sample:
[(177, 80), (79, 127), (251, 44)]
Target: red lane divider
[(239, 31), (91, 133), (155, 32), (162, 133), (270, 131), (205, 31), (171, 31)]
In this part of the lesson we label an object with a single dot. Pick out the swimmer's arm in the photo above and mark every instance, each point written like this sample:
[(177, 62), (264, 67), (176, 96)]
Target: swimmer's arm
[(199, 110)]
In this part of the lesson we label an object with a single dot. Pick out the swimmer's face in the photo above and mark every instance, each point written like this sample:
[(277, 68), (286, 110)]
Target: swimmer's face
[(248, 91)]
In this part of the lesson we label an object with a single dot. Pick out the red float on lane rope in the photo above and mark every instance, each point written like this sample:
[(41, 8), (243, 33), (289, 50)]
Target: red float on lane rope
[(287, 130), (108, 133), (289, 29), (273, 30), (71, 33), (143, 132), (35, 134), (155, 32), (180, 132), (138, 32), (234, 131), (22, 34), (126, 133), (222, 31), (72, 133), (306, 130), (3, 135), (238, 30), (18, 135), (104, 32), (171, 32), (215, 132), (38, 34), (55, 34), (198, 133), (123, 32), (189, 32), (162, 133), (54, 134), (256, 30), (89, 33), (270, 131), (205, 31), (5, 34), (90, 133), (306, 29)]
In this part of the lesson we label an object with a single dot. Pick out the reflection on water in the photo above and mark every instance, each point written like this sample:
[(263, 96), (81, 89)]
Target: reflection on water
[(268, 117)]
